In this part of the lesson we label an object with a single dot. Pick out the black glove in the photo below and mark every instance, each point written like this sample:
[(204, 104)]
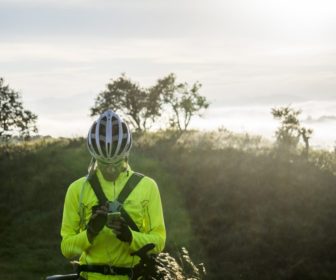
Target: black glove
[(121, 230), (97, 221)]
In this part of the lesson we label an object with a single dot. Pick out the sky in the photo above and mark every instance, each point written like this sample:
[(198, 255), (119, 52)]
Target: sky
[(249, 55)]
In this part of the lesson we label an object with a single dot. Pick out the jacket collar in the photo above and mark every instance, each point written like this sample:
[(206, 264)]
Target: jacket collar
[(120, 179)]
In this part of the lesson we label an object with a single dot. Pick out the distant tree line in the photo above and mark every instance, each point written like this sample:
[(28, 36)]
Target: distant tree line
[(143, 107)]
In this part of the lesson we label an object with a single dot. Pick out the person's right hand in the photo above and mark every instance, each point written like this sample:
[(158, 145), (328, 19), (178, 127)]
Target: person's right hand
[(96, 222)]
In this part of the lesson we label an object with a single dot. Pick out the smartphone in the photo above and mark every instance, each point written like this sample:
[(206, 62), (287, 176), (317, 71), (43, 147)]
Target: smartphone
[(111, 217)]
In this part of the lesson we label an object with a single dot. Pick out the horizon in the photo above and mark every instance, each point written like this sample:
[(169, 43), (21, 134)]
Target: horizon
[(321, 137)]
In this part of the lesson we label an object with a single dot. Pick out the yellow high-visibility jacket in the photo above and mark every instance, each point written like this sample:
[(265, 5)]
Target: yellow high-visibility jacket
[(144, 207)]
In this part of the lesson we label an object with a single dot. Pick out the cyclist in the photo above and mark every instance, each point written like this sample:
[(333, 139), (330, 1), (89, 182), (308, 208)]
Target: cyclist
[(105, 246)]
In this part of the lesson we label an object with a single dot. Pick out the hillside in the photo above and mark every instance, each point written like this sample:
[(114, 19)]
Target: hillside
[(243, 209), (35, 177)]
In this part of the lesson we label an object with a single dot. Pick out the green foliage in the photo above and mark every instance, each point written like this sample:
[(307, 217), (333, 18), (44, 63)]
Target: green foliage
[(177, 219), (138, 104), (237, 206), (257, 215), (324, 160), (143, 106), (35, 176), (185, 102), (34, 179), (14, 119)]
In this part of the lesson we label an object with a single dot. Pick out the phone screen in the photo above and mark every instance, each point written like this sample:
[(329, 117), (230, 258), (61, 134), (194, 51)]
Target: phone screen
[(111, 217)]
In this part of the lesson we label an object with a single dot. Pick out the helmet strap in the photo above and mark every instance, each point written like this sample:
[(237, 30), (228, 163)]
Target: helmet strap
[(92, 166)]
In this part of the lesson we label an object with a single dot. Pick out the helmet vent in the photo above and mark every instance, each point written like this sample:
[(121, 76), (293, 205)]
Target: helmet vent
[(109, 137)]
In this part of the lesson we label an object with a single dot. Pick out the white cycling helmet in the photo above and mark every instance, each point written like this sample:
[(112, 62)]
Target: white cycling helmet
[(109, 138)]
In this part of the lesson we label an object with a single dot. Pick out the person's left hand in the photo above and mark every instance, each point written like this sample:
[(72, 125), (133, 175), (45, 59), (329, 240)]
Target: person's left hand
[(121, 230)]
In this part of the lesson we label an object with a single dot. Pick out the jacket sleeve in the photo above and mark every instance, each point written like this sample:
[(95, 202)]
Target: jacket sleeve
[(73, 242), (157, 232)]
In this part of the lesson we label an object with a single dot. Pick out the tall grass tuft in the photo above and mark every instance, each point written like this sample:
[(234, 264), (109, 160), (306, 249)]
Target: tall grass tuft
[(180, 268)]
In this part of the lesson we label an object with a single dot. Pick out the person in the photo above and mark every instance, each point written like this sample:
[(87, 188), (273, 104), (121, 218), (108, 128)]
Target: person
[(106, 247)]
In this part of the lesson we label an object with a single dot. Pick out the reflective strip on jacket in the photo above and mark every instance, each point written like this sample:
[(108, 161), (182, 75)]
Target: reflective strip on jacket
[(143, 205)]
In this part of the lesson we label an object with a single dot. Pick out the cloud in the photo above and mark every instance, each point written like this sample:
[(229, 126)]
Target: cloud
[(80, 50), (263, 21), (321, 119), (122, 19), (229, 75)]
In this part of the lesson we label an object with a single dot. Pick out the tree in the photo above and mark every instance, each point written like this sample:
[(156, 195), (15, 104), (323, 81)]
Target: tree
[(290, 131), (14, 119), (141, 106), (184, 101), (306, 133)]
